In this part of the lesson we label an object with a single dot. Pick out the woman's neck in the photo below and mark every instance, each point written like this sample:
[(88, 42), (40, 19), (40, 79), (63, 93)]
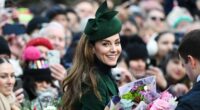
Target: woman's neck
[(171, 80), (102, 67), (158, 59)]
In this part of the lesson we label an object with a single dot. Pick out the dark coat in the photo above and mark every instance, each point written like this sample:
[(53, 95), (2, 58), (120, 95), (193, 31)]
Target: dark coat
[(190, 101), (106, 87)]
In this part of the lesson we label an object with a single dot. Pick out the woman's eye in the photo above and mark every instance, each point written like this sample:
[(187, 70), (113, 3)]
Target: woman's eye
[(12, 75), (2, 76), (176, 62), (117, 43), (165, 43), (106, 44)]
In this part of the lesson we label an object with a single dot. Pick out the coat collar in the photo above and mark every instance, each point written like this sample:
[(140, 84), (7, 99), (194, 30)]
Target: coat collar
[(110, 84), (105, 74)]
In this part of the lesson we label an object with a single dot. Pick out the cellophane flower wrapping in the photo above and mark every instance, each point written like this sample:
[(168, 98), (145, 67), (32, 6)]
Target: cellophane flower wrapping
[(141, 95)]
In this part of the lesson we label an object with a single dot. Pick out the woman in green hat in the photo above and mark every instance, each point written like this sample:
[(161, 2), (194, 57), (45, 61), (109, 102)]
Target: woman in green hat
[(89, 84)]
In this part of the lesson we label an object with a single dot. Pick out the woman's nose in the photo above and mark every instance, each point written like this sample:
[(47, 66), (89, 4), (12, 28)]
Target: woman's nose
[(11, 80), (113, 48)]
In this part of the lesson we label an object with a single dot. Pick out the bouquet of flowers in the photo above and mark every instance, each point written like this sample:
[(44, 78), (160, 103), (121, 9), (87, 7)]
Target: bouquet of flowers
[(141, 95)]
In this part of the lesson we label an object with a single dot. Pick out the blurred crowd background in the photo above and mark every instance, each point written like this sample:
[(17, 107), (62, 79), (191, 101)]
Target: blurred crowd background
[(150, 36)]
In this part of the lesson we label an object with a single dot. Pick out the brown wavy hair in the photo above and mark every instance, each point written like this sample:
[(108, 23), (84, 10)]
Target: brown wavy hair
[(81, 72)]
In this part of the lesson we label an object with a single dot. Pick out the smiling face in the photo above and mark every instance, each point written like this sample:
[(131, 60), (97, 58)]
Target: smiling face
[(57, 39), (137, 68), (7, 79), (108, 50), (175, 69)]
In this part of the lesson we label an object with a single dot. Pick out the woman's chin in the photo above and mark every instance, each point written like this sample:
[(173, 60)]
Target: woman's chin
[(7, 93), (111, 63)]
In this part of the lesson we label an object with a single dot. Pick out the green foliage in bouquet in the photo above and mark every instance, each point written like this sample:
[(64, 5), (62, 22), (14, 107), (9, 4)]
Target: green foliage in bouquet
[(135, 94)]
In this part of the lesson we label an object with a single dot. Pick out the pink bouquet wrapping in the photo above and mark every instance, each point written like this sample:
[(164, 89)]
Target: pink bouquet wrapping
[(165, 102), (141, 95)]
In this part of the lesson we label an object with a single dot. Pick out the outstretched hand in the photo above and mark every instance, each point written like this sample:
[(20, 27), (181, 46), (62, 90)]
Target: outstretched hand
[(160, 79), (58, 72)]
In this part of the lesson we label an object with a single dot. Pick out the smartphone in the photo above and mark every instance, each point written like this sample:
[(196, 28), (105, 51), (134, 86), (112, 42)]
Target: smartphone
[(53, 57), (18, 84), (150, 63)]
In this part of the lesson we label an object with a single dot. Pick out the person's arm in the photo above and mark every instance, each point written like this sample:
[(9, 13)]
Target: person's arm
[(160, 79), (179, 89)]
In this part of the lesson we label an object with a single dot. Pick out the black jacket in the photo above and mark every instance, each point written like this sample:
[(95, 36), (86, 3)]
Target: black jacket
[(190, 101)]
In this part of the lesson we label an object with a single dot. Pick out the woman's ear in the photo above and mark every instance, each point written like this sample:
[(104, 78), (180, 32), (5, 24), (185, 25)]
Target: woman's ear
[(192, 61)]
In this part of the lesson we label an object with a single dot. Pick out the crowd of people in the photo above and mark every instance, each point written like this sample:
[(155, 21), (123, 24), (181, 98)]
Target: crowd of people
[(95, 50)]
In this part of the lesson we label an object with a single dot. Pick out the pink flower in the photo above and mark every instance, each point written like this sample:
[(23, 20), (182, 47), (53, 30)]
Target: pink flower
[(149, 106), (160, 104), (166, 96)]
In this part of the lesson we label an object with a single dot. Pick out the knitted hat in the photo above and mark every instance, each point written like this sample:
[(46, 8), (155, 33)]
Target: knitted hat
[(36, 67), (4, 48), (31, 53), (137, 51), (33, 59), (104, 25), (40, 41)]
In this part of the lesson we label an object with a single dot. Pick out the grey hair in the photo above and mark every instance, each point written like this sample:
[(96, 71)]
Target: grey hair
[(45, 31)]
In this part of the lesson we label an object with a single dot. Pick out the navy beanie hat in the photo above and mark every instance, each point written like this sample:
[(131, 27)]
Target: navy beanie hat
[(136, 51)]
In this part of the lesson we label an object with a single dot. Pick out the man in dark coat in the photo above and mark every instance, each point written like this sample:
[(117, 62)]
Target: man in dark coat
[(190, 55)]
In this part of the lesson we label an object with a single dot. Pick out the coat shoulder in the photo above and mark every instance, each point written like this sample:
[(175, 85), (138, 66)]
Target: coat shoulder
[(190, 101)]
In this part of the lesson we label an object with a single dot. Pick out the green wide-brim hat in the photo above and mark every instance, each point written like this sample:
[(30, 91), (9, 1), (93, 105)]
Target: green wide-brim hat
[(105, 24)]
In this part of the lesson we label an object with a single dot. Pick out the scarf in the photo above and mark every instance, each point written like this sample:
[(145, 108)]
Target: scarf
[(6, 102)]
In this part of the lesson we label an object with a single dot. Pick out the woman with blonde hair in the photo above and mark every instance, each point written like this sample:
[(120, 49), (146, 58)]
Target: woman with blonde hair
[(89, 79)]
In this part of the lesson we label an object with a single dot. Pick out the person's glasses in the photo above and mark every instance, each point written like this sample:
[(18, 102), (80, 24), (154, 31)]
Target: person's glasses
[(157, 18)]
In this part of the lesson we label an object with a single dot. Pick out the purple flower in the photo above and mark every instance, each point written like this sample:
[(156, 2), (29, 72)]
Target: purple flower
[(134, 88)]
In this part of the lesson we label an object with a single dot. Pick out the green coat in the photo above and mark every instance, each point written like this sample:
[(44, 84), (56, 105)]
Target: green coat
[(107, 88)]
